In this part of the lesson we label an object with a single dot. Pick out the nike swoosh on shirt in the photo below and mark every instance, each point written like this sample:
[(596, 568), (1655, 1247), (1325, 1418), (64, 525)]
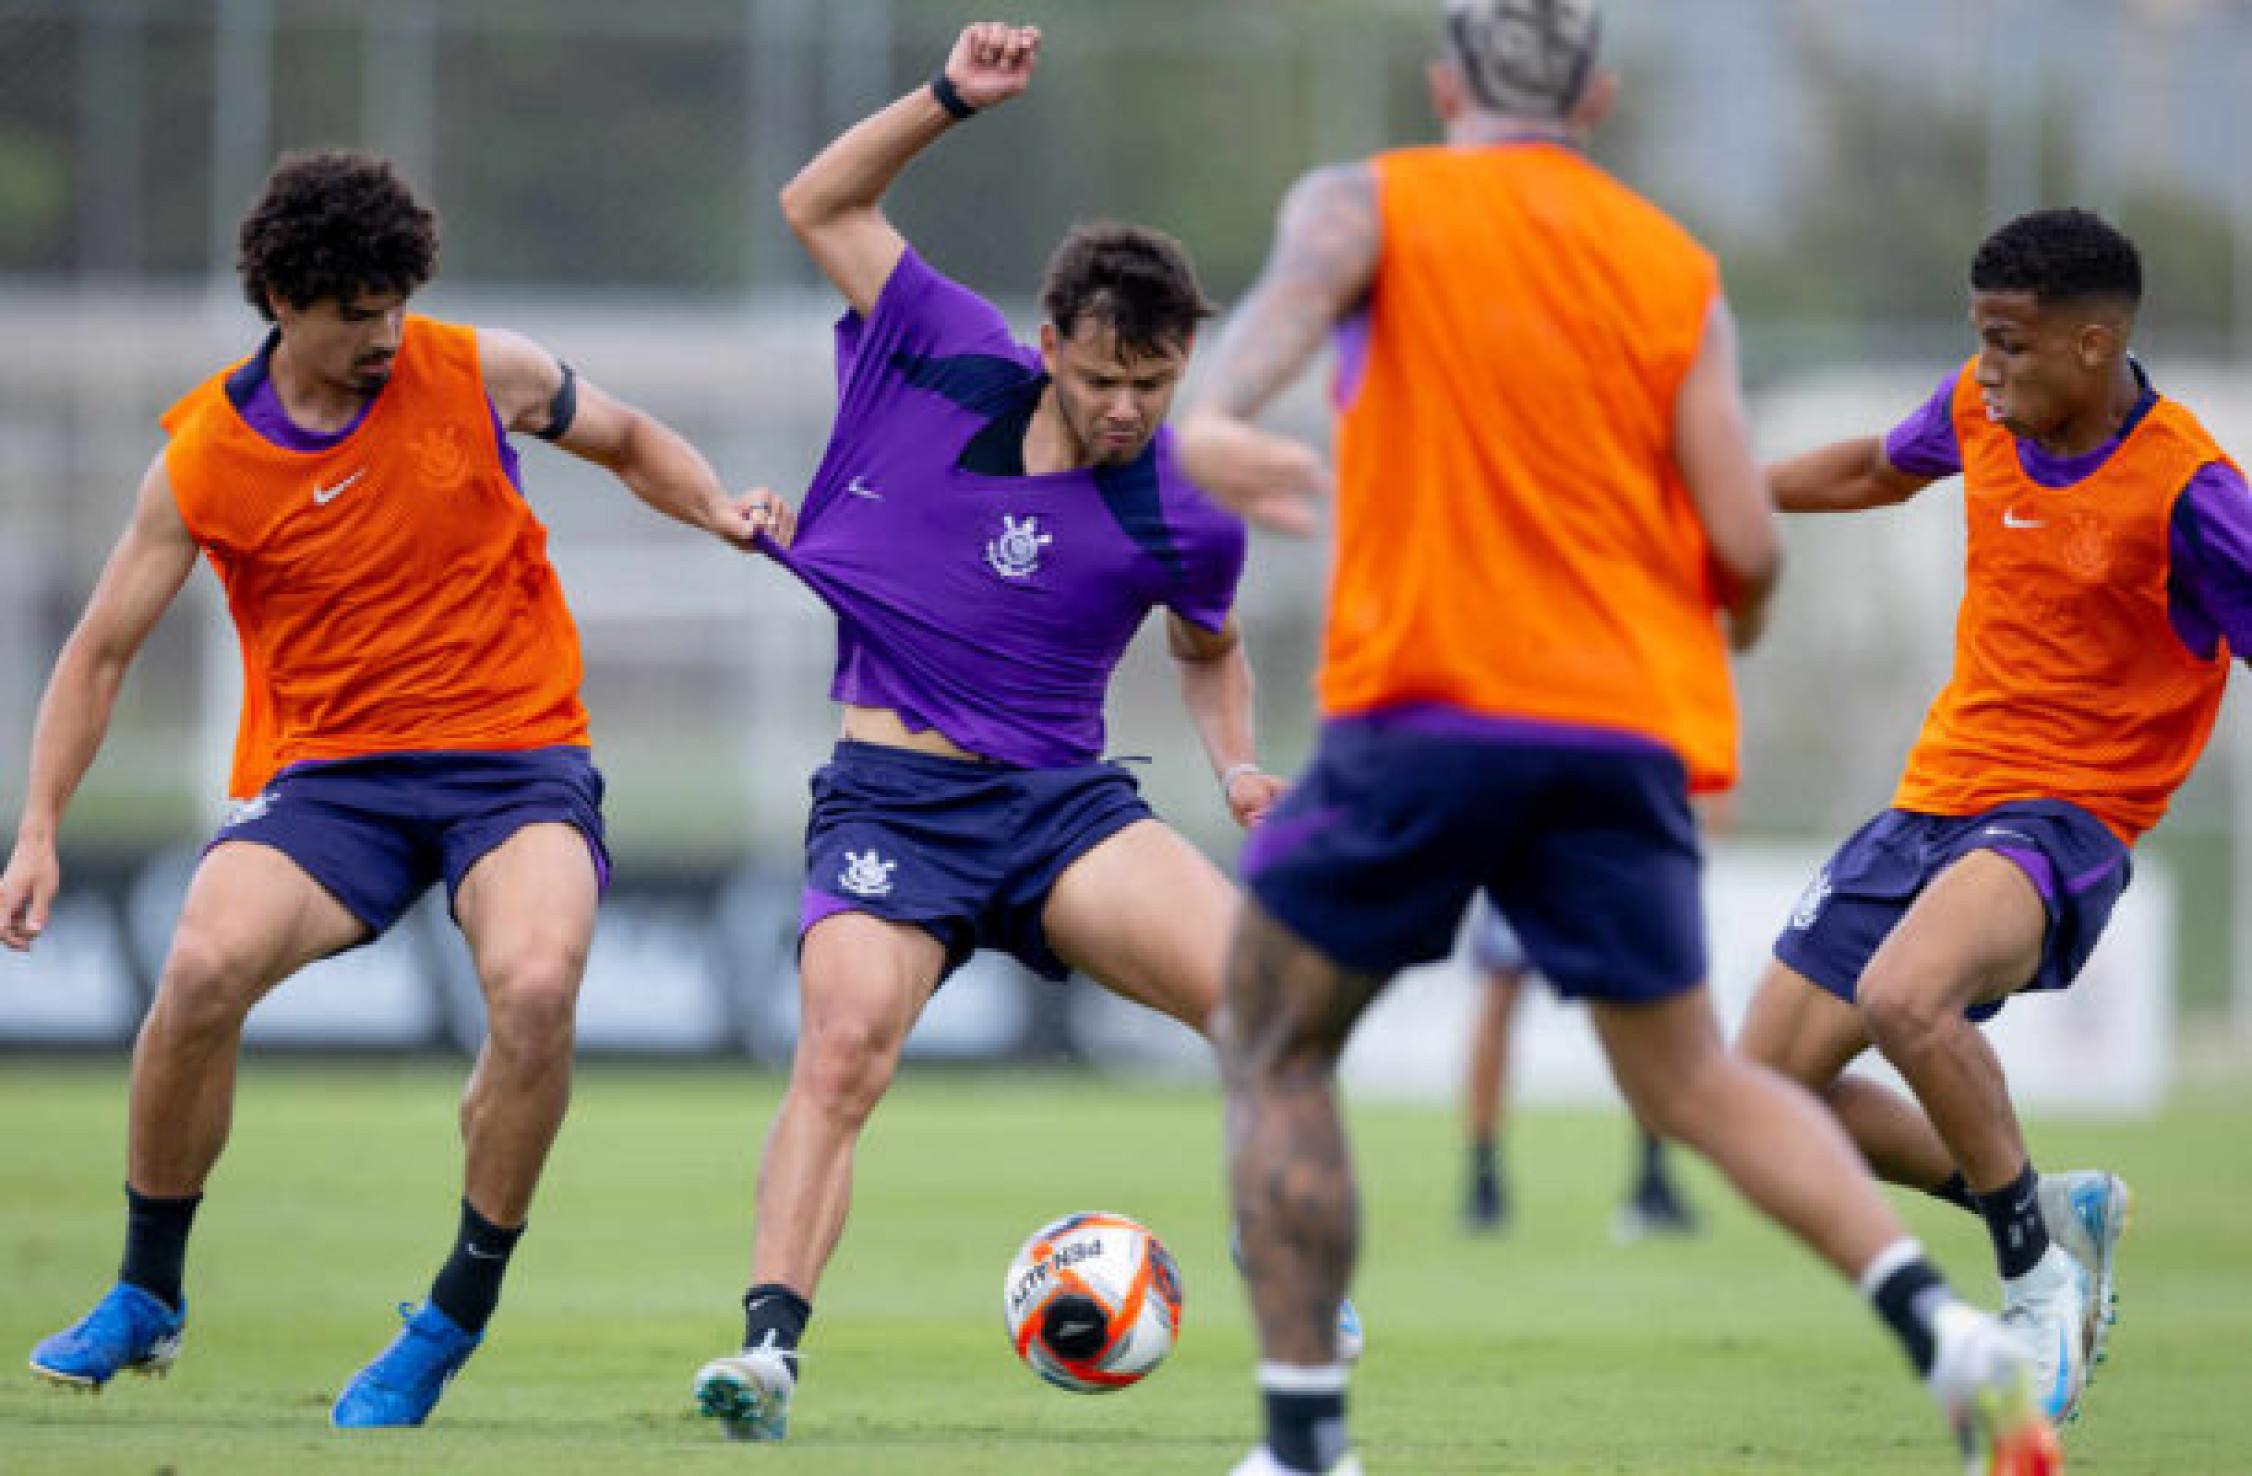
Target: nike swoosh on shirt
[(2010, 519), (860, 488), (327, 495)]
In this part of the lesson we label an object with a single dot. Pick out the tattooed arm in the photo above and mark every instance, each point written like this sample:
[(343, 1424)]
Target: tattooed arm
[(1326, 245)]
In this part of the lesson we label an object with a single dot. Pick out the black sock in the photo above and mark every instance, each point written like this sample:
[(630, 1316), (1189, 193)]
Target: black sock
[(468, 1285), (2013, 1218), (1305, 1426), (1653, 1158), (1905, 1296), (156, 1243), (774, 1316), (1956, 1191)]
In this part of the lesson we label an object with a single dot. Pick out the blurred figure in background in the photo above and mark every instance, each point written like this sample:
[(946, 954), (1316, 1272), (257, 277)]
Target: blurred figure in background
[(1654, 1205)]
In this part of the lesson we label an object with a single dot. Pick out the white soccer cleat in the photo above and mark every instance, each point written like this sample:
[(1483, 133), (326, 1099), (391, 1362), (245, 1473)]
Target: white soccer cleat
[(1983, 1381), (2046, 1311), (1262, 1462), (2086, 1212), (748, 1393)]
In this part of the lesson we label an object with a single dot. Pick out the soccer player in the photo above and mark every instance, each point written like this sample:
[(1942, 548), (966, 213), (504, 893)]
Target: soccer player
[(1545, 489), (1654, 1204), (2109, 579), (411, 713), (991, 523)]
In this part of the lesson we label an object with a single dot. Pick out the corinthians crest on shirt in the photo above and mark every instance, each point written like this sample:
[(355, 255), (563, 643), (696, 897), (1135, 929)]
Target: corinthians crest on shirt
[(1014, 552)]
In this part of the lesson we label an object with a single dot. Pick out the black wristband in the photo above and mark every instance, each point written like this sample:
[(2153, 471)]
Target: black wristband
[(950, 97)]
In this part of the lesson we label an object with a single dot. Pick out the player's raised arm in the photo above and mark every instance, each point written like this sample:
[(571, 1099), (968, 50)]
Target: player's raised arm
[(1712, 444), (1845, 476), (834, 205), (533, 391), (150, 562), (1327, 241)]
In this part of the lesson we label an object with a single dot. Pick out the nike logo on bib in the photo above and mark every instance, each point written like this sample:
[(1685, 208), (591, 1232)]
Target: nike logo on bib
[(326, 495), (2010, 519)]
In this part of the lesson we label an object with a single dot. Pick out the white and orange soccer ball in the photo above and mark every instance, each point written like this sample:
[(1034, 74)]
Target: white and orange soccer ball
[(1092, 1302)]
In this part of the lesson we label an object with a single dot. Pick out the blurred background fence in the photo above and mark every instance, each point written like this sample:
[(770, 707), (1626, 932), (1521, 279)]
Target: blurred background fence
[(606, 176)]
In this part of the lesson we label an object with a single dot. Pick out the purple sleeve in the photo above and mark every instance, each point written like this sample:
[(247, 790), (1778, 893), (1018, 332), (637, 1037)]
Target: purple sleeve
[(919, 311), (2210, 585), (1212, 543), (1924, 444)]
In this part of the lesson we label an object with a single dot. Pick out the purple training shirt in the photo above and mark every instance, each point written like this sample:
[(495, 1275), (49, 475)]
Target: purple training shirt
[(990, 607), (2209, 581)]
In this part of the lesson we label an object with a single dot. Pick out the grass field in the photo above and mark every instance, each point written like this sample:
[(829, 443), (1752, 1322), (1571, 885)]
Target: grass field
[(1547, 1351)]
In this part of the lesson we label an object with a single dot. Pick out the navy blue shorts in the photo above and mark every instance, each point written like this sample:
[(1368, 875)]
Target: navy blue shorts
[(1584, 842), (966, 850), (376, 832), (1851, 906)]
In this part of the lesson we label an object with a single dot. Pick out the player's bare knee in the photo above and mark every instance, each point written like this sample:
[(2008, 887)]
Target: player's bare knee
[(532, 1004), (1901, 1015), (207, 985), (844, 1066)]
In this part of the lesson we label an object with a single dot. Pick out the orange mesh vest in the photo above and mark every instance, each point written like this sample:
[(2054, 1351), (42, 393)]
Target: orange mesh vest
[(391, 594), (2069, 680), (1514, 538)]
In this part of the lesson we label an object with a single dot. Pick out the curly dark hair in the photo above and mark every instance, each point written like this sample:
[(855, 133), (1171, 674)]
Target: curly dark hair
[(334, 225), (1140, 282), (2060, 256)]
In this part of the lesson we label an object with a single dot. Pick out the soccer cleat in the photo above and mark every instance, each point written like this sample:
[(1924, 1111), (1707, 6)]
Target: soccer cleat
[(1981, 1379), (1656, 1208), (2045, 1310), (401, 1386), (1262, 1462), (2087, 1212), (749, 1392), (128, 1329)]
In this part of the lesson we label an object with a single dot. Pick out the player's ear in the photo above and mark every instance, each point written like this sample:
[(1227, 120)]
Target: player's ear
[(1450, 94), (2098, 344), (1048, 348), (1596, 101)]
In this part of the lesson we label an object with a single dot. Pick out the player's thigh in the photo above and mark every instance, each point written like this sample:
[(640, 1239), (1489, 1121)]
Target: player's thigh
[(1799, 1028), (1147, 915), (1973, 936), (1659, 1049), (253, 917), (527, 908), (863, 981)]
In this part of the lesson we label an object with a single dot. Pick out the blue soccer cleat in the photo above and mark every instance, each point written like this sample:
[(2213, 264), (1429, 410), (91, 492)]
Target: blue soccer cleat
[(403, 1383), (128, 1329)]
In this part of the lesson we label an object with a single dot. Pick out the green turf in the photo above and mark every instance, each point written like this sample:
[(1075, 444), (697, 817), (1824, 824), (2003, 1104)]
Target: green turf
[(1547, 1351)]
